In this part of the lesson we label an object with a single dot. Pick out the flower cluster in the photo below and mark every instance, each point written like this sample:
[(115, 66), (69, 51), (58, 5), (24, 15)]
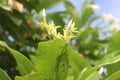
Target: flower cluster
[(51, 29), (112, 20), (69, 31)]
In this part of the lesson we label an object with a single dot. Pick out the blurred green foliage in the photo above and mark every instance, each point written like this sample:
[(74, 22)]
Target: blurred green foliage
[(21, 31)]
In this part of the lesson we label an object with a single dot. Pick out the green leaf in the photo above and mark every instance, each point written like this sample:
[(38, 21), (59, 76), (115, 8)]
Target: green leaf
[(23, 63), (31, 76), (57, 17), (70, 78), (4, 5), (111, 61), (114, 76), (76, 62), (52, 59), (114, 44), (94, 76), (72, 11), (88, 73), (84, 34), (86, 12), (110, 58), (15, 20), (3, 75)]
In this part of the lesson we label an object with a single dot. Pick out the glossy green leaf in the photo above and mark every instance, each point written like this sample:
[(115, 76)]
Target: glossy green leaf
[(114, 44), (3, 75), (114, 76), (88, 73), (110, 58), (111, 61), (23, 63), (52, 59)]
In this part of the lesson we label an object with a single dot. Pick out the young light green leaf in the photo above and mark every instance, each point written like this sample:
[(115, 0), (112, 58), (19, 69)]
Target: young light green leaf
[(52, 59), (23, 63), (94, 76), (70, 78), (4, 76), (31, 76)]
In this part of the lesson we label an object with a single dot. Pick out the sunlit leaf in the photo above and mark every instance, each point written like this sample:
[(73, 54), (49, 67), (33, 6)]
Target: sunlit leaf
[(31, 76), (114, 44), (88, 73), (3, 75), (52, 59), (114, 76), (110, 58)]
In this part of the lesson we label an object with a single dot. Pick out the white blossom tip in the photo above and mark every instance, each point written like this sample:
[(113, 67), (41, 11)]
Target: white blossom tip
[(70, 22), (43, 13)]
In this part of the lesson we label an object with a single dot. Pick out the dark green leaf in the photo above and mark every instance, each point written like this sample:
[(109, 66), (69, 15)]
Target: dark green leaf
[(23, 63)]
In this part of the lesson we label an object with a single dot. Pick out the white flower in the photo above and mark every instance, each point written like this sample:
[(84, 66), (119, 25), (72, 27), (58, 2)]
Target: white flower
[(51, 29), (69, 31), (113, 22), (94, 7), (43, 13), (109, 17), (114, 27)]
